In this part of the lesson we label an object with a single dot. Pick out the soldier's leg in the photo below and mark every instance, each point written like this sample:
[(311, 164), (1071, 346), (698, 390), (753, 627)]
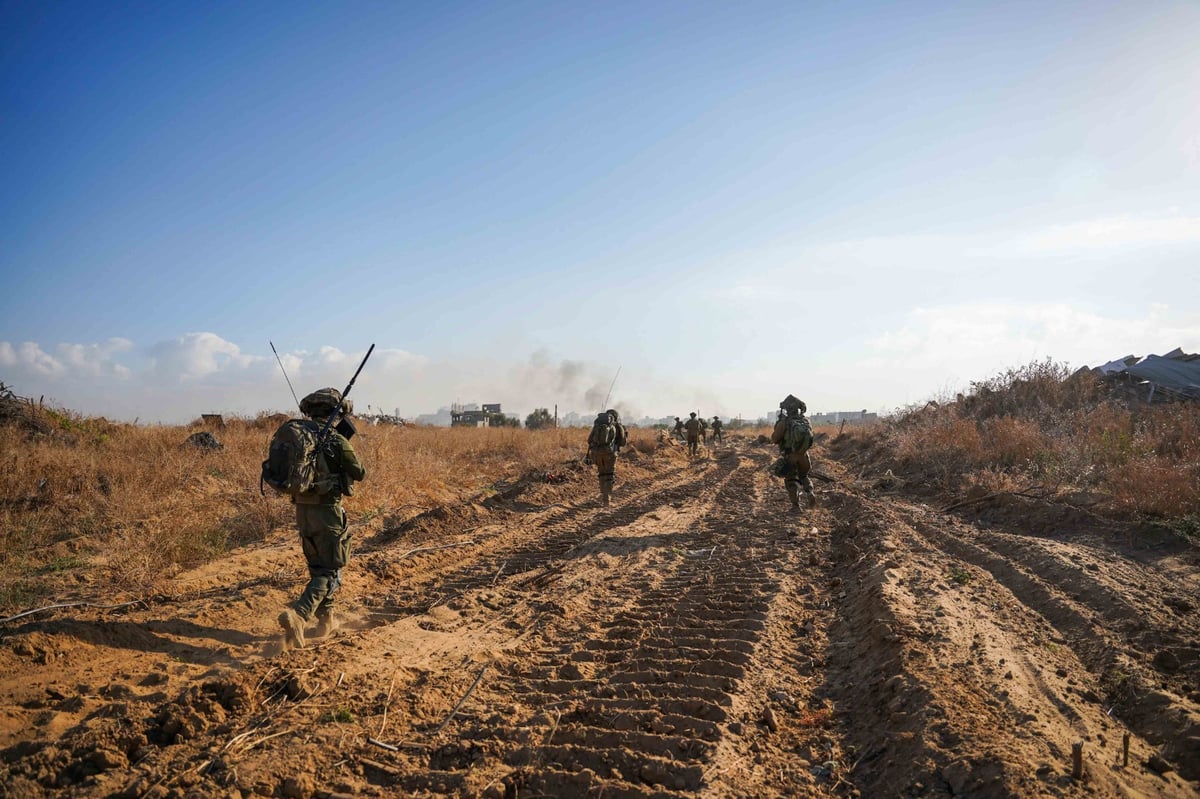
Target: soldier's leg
[(793, 492), (804, 466), (327, 549), (606, 467)]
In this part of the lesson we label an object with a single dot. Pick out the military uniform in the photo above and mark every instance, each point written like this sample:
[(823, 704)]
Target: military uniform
[(679, 429), (797, 464), (323, 526), (604, 454), (716, 428), (693, 428)]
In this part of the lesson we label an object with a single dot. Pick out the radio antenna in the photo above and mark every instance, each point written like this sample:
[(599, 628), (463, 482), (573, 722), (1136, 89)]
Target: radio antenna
[(610, 388), (285, 375)]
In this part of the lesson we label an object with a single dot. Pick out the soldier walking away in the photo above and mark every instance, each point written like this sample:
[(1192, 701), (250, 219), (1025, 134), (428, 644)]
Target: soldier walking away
[(704, 430), (604, 443), (679, 429), (718, 436), (693, 428), (794, 436), (320, 518)]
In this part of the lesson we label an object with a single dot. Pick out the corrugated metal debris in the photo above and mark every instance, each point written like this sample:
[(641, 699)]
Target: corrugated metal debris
[(1175, 375)]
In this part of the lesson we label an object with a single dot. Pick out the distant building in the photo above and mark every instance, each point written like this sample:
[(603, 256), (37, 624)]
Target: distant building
[(472, 415), (849, 417)]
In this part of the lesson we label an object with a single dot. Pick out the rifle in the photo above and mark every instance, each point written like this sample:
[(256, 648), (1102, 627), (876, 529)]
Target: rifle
[(345, 425)]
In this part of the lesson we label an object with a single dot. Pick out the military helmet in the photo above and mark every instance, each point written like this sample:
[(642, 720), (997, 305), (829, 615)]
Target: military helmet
[(791, 401), (693, 414), (616, 417), (322, 402)]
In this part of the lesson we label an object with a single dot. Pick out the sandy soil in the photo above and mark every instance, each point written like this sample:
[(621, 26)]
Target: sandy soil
[(695, 639)]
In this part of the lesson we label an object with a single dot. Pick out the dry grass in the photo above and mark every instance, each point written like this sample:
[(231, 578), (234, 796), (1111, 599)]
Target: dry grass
[(117, 508), (1041, 426)]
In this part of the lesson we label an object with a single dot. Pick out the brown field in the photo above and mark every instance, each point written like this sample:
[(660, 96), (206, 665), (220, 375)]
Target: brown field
[(987, 583)]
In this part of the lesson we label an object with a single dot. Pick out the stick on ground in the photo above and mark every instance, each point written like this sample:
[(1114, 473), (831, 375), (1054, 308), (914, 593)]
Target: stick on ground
[(478, 677)]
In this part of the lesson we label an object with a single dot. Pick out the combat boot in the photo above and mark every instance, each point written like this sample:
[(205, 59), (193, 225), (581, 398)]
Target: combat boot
[(293, 629), (810, 498), (325, 625), (793, 494)]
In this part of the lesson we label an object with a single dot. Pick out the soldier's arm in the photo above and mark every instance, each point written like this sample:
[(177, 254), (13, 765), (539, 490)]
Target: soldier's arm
[(777, 433), (351, 466)]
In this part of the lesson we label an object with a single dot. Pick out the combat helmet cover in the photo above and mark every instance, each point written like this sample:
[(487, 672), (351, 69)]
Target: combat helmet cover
[(791, 401), (323, 401)]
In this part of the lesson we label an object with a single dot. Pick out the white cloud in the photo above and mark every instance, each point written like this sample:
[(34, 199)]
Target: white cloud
[(930, 349), (954, 345), (1108, 233), (95, 360), (197, 355), (29, 357)]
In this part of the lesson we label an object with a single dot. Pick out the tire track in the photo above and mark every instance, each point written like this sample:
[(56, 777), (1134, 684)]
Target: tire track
[(971, 674), (635, 704)]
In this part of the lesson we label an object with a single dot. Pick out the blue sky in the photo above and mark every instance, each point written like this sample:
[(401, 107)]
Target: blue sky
[(864, 204)]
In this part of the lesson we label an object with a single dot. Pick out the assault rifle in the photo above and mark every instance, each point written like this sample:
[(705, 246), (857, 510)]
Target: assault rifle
[(344, 425)]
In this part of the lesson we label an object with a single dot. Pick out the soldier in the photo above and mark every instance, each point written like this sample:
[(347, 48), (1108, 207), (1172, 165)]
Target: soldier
[(716, 426), (604, 443), (703, 430), (322, 521), (793, 434), (693, 428), (679, 429)]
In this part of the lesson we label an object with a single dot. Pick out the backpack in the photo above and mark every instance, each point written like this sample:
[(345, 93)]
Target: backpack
[(604, 433), (798, 436), (294, 465)]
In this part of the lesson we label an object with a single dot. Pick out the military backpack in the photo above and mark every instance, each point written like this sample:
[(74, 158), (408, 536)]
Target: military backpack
[(295, 465), (798, 435), (604, 433)]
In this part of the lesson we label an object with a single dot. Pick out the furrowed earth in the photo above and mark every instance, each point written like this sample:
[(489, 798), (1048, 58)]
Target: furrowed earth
[(696, 638)]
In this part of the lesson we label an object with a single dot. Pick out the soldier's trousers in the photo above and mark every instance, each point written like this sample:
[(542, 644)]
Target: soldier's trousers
[(326, 544), (799, 465), (693, 443), (606, 469)]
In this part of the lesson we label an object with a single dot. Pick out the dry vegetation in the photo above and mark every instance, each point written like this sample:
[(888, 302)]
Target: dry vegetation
[(90, 509), (1040, 430)]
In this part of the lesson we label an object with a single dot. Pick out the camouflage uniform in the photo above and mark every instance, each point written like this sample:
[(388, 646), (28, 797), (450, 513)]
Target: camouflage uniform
[(322, 523), (716, 428), (605, 455), (693, 428), (798, 464), (679, 428)]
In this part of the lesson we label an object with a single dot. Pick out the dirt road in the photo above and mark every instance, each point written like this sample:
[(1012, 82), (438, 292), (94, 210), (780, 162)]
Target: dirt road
[(695, 639)]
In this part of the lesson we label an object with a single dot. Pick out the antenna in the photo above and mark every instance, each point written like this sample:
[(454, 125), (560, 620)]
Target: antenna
[(285, 375), (610, 388)]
